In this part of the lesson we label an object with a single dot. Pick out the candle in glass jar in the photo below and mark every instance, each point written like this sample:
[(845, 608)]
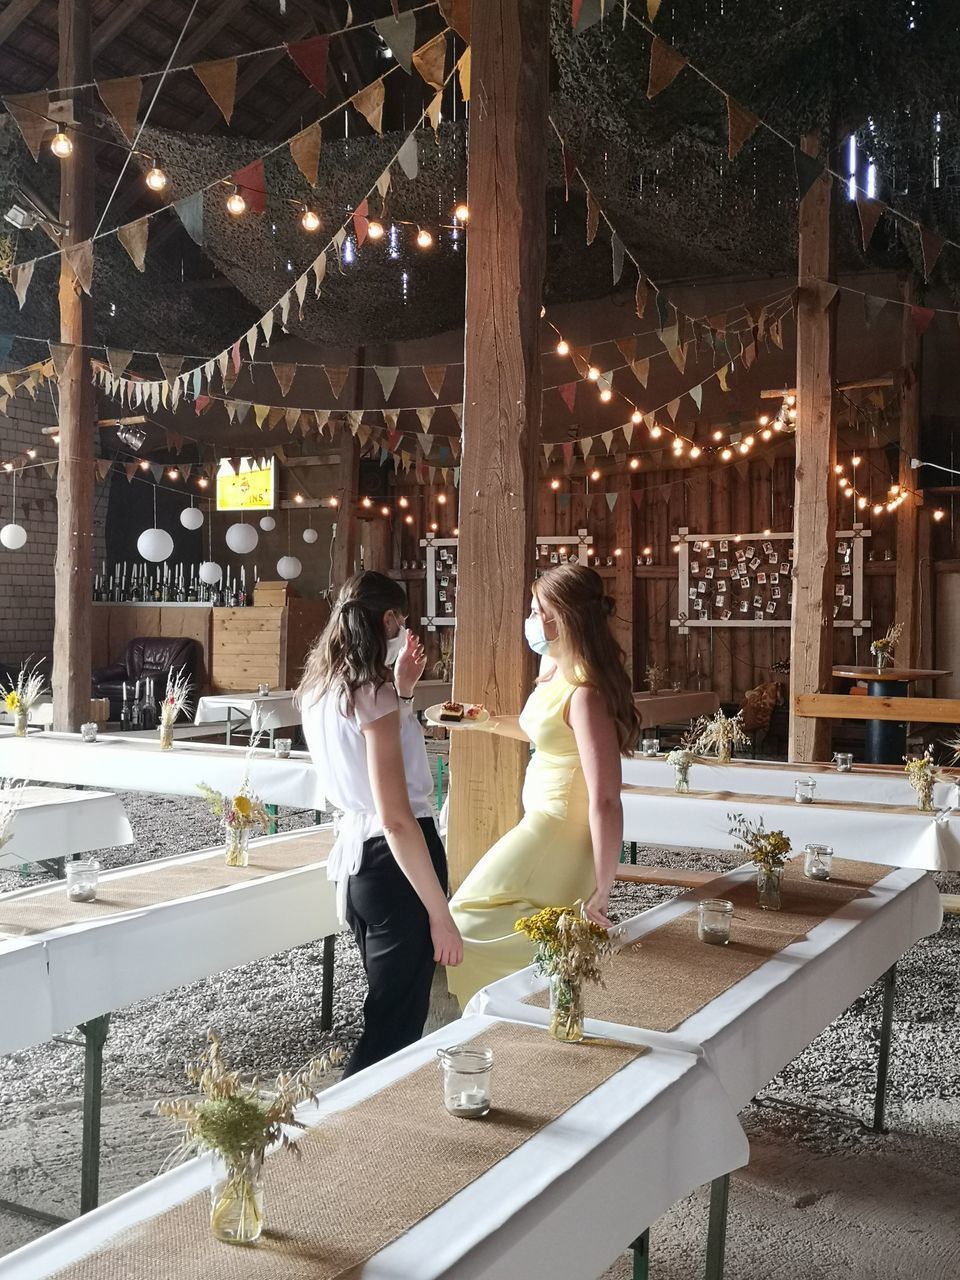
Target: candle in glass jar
[(804, 790)]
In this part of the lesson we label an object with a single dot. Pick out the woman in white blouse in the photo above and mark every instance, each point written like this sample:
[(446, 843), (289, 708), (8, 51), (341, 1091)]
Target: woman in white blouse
[(388, 860)]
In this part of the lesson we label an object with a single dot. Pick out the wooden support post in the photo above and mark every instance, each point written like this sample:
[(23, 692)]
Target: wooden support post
[(347, 485), (73, 584), (908, 569), (506, 252), (815, 512), (626, 580)]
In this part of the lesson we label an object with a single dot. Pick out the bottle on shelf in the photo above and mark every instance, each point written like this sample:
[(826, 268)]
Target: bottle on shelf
[(234, 600), (136, 711), (148, 711), (125, 718), (192, 596)]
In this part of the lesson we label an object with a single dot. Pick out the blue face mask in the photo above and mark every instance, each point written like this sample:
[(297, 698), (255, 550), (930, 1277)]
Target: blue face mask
[(533, 630)]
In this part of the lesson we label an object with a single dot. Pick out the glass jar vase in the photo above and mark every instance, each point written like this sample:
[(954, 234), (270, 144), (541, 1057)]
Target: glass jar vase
[(804, 790), (769, 896), (566, 1010), (236, 1201), (20, 720), (466, 1080), (238, 846), (166, 735), (83, 876), (817, 861), (714, 917), (681, 781)]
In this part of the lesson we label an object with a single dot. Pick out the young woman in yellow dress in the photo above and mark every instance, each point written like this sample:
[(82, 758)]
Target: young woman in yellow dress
[(580, 719)]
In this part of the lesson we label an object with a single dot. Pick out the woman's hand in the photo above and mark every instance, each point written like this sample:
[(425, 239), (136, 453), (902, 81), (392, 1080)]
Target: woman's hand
[(447, 943), (409, 666), (597, 907)]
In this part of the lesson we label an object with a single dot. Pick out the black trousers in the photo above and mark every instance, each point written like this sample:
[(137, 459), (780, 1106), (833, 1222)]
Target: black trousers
[(392, 930)]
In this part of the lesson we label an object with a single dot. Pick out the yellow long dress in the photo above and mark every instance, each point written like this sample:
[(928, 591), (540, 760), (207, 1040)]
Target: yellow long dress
[(545, 861)]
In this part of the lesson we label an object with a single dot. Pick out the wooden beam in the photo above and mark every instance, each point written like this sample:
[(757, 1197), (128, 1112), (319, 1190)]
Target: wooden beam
[(15, 13), (120, 18), (347, 487), (625, 579), (815, 510), (250, 76), (850, 706), (73, 610), (196, 42), (908, 568), (886, 380), (506, 252)]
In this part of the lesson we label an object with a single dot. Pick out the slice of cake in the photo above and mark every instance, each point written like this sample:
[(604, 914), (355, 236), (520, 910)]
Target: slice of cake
[(452, 711)]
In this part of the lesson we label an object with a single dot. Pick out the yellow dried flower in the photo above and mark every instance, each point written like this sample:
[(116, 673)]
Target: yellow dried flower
[(12, 701), (242, 806)]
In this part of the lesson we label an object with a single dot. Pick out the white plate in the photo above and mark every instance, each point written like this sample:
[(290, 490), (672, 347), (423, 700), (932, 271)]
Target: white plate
[(432, 716)]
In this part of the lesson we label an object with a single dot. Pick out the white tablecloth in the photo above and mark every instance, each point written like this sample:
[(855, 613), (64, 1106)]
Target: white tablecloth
[(51, 981), (566, 1203), (754, 1029), (127, 763), (871, 835), (265, 711), (875, 785), (57, 822)]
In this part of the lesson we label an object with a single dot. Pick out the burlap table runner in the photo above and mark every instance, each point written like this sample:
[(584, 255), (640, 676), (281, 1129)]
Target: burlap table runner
[(166, 880), (369, 1174), (741, 797), (669, 974)]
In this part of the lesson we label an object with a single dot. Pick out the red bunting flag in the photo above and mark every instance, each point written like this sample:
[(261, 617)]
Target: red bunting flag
[(361, 221), (568, 393), (922, 317), (310, 57), (252, 182)]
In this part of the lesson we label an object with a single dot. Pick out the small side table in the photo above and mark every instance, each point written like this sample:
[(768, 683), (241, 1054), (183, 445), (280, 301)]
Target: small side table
[(885, 741)]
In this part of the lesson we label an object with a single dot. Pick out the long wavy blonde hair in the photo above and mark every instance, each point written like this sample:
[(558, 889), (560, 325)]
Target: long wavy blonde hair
[(574, 596)]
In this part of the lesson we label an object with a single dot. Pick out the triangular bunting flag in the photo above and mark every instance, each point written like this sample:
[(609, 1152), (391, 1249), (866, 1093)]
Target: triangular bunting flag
[(611, 499), (235, 357), (584, 444), (284, 374), (399, 35), (30, 111), (430, 58), (673, 408), (663, 310), (336, 378), (665, 65), (434, 375), (653, 8), (118, 360), (433, 112), (102, 467), (457, 14), (171, 366), (641, 371), (696, 395), (51, 469), (369, 102), (616, 253), (921, 317), (253, 337), (741, 125), (808, 169), (568, 394), (219, 78), (305, 151), (722, 377), (133, 237), (122, 99), (408, 159), (642, 295), (607, 439), (156, 470), (310, 57), (300, 292), (60, 353), (361, 222), (827, 292), (425, 415), (627, 348), (463, 73), (190, 212), (260, 412), (252, 183), (593, 217), (872, 306), (426, 443), (80, 258), (931, 246), (130, 468), (320, 270), (291, 418), (869, 211), (266, 324), (322, 417), (387, 375)]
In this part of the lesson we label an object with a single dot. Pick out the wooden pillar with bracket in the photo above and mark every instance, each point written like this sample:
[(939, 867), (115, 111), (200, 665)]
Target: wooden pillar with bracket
[(815, 507), (908, 564), (73, 581), (506, 252)]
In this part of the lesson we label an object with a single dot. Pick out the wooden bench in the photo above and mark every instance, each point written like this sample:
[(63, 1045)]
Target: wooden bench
[(849, 706), (669, 877)]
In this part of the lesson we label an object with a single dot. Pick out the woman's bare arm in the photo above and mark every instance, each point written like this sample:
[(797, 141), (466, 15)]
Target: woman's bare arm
[(599, 749)]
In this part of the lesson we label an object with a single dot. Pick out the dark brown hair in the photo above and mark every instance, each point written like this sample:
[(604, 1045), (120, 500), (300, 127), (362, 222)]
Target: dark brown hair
[(575, 597)]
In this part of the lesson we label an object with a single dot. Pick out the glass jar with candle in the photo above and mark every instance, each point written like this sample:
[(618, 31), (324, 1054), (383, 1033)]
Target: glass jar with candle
[(88, 732), (83, 875), (843, 761), (466, 1080), (714, 917), (804, 790), (817, 861), (281, 747), (650, 746), (263, 688)]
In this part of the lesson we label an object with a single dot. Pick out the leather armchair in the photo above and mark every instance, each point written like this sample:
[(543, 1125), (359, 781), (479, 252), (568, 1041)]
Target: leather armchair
[(147, 657)]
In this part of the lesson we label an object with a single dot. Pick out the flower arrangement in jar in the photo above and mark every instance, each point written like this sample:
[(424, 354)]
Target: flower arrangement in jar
[(176, 702), (718, 735), (681, 758), (656, 677), (569, 951), (768, 850), (237, 1121), (239, 814), (922, 774), (19, 697), (884, 646)]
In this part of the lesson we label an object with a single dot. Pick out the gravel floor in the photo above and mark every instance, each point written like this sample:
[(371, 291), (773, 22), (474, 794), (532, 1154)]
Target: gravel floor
[(268, 1014)]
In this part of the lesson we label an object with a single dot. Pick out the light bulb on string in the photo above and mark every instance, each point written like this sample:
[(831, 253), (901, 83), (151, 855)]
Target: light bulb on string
[(434, 526), (155, 178), (877, 508), (939, 514), (60, 145), (334, 502), (236, 205), (375, 230), (695, 451), (408, 519), (856, 460), (554, 485), (31, 453), (563, 348), (726, 454), (744, 447), (441, 499), (366, 502), (766, 434), (838, 469), (606, 395), (762, 420), (456, 531), (634, 464), (862, 503), (298, 498), (310, 219), (403, 502), (594, 475), (656, 432), (593, 373), (424, 238), (144, 465), (791, 401), (461, 212), (384, 511), (636, 417)]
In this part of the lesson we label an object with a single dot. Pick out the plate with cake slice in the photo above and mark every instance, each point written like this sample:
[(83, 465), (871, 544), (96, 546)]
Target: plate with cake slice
[(457, 715)]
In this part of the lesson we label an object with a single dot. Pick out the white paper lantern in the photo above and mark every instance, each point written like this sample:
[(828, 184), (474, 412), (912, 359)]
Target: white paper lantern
[(191, 517), (210, 572), (13, 536), (155, 544), (289, 567), (310, 535), (267, 524), (242, 538)]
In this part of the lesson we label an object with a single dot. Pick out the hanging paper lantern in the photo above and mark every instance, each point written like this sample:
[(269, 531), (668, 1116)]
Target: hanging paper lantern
[(13, 536), (242, 538), (289, 567), (310, 535), (210, 572), (155, 544), (267, 524), (191, 517)]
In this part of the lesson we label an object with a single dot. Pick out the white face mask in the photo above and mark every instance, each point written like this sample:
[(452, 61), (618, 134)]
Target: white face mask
[(533, 630), (395, 646)]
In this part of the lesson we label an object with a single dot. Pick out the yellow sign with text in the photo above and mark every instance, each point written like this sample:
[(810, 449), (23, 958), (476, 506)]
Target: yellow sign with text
[(251, 490)]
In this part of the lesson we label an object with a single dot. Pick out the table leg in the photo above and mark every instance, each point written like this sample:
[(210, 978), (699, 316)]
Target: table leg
[(326, 988), (885, 741), (272, 815), (439, 783), (641, 1256), (229, 725), (95, 1037), (883, 1061), (717, 1229)]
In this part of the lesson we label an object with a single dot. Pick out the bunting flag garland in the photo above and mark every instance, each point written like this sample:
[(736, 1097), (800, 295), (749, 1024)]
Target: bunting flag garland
[(284, 374), (336, 378), (399, 34), (219, 78), (408, 158), (463, 70), (190, 212), (20, 276), (665, 65), (430, 60), (369, 102), (30, 112), (80, 258), (121, 97), (434, 376), (361, 222), (133, 237), (869, 211), (931, 246), (593, 217), (808, 168), (741, 126), (921, 317), (311, 57), (251, 181), (305, 151), (457, 15)]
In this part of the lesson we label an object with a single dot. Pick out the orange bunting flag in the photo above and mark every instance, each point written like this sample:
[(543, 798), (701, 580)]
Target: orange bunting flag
[(593, 217), (741, 125), (133, 237), (434, 375), (642, 295), (219, 78), (305, 151), (457, 14), (665, 65), (284, 374), (121, 97), (361, 221), (653, 8), (30, 111), (20, 276), (430, 58), (336, 378), (369, 102), (921, 317), (80, 258), (463, 71)]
